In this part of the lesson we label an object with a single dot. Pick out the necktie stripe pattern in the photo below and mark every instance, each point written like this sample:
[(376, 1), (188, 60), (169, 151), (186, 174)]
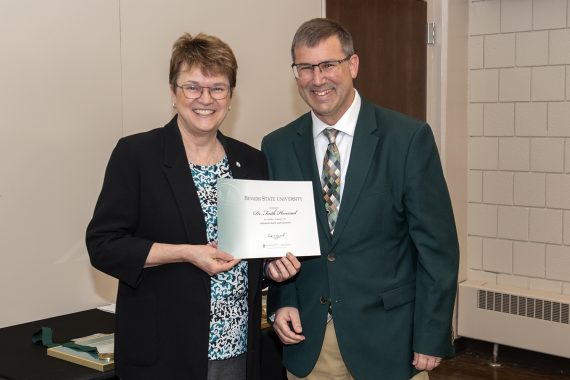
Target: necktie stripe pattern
[(331, 178)]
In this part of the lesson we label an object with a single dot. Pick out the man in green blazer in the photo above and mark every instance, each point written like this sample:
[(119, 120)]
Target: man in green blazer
[(378, 302)]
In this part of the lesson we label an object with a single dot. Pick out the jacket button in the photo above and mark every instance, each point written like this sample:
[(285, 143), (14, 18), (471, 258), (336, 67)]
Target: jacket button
[(324, 300), (331, 257)]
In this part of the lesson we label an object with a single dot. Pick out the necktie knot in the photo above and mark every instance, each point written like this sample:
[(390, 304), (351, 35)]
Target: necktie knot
[(330, 134)]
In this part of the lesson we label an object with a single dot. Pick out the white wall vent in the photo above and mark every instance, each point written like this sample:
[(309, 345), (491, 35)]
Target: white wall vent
[(523, 306), (532, 320)]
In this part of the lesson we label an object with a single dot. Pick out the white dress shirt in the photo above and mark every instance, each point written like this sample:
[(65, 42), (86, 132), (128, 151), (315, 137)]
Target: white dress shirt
[(346, 126)]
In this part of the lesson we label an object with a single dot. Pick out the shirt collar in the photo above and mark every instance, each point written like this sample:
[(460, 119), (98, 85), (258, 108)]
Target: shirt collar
[(347, 122)]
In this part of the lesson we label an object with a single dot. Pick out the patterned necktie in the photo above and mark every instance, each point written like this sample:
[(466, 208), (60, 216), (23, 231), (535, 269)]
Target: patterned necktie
[(331, 178)]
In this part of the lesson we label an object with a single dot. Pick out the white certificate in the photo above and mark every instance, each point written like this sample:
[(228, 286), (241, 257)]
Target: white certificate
[(266, 218)]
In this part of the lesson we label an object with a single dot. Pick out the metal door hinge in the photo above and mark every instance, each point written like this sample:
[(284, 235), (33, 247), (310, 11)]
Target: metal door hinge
[(430, 33)]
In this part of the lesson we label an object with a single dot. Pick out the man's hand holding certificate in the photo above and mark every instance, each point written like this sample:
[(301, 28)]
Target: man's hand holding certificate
[(266, 218)]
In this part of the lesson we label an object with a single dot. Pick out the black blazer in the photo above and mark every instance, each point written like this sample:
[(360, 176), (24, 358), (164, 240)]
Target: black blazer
[(162, 316)]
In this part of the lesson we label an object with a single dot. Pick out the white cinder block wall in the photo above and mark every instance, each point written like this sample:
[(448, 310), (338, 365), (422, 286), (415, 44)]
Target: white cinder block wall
[(519, 144)]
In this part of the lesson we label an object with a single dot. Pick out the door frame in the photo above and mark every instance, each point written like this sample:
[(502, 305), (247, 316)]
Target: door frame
[(446, 104)]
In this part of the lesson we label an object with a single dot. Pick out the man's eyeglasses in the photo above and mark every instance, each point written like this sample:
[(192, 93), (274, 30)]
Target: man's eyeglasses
[(194, 91), (306, 70)]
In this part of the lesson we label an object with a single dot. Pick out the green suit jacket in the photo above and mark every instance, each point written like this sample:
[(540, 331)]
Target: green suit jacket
[(390, 270)]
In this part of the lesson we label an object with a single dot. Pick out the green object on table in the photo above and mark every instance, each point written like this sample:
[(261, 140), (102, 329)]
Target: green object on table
[(45, 336)]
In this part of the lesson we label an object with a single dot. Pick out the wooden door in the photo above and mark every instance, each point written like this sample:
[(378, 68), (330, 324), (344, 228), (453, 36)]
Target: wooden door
[(389, 37)]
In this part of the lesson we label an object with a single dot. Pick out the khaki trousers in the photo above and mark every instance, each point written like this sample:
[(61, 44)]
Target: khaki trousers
[(330, 365)]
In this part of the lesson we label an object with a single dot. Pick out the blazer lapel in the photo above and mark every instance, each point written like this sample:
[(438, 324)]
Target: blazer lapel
[(363, 147), (239, 169), (237, 166), (305, 150), (177, 172)]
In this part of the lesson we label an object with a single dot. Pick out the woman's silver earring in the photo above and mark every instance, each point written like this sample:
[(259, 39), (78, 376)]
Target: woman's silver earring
[(174, 105)]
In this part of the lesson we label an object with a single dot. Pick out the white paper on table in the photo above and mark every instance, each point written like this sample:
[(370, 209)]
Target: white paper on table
[(266, 218), (108, 308)]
